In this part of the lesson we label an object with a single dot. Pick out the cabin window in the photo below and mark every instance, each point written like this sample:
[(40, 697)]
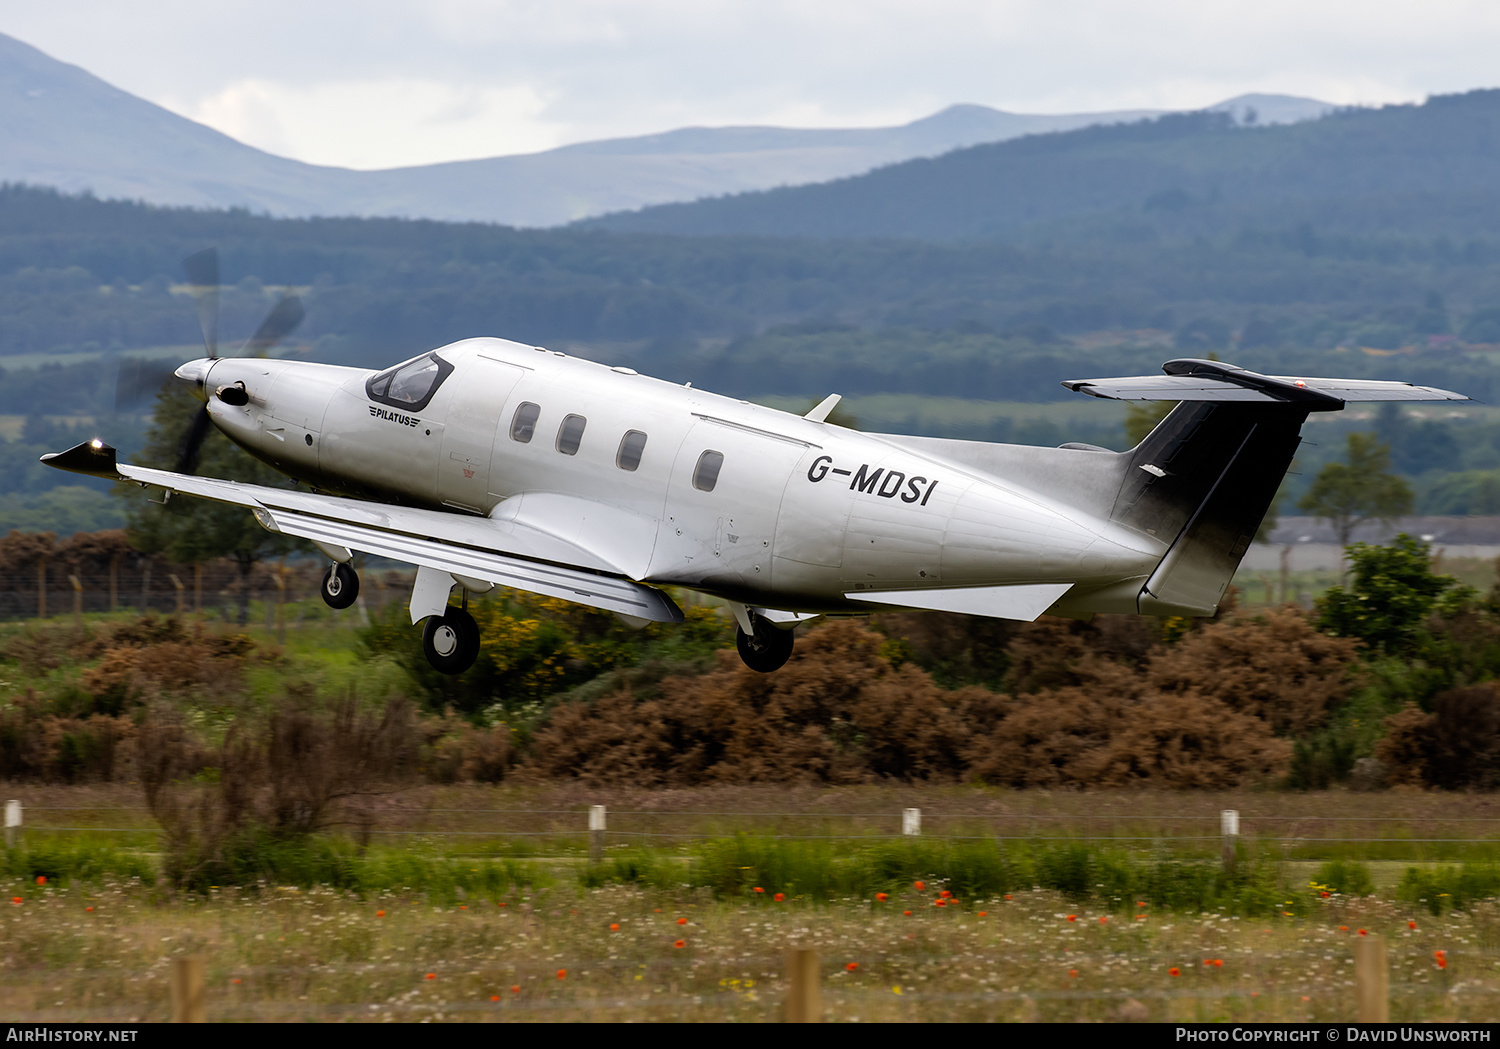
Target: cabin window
[(631, 447), (523, 423), (410, 385), (706, 475), (570, 434)]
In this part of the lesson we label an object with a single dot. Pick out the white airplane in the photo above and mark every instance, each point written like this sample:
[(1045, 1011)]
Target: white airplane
[(489, 463)]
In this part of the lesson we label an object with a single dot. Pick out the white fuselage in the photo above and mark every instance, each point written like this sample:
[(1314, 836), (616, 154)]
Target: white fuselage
[(801, 516)]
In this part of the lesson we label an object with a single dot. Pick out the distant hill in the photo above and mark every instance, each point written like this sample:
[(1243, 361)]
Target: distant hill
[(1427, 169), (60, 126)]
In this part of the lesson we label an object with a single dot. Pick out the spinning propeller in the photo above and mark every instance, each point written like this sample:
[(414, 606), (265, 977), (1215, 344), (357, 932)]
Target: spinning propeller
[(138, 379)]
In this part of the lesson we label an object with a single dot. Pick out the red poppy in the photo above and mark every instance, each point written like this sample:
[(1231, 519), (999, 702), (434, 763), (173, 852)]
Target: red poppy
[(494, 997), (15, 900), (88, 908), (562, 974), (614, 926), (1326, 894), (758, 889), (1441, 957), (380, 914), (779, 897), (1072, 917), (502, 903), (1103, 919), (1073, 973), (681, 921), (515, 988), (1174, 971), (680, 943), (852, 966), (983, 914), (432, 976), (921, 887), (41, 879), (1363, 933), (882, 897), (945, 894), (1411, 925), (1007, 895), (939, 903), (907, 913)]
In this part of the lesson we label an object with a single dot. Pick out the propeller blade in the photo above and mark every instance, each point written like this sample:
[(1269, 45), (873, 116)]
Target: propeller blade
[(279, 323), (138, 380), (202, 271), (192, 442)]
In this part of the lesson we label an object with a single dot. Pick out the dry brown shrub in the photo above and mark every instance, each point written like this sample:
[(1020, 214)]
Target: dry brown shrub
[(1054, 653), (1404, 750), (1275, 667), (836, 713), (457, 751), (151, 658), (38, 745)]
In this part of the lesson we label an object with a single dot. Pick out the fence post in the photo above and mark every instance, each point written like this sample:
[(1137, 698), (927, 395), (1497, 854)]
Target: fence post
[(41, 587), (804, 999), (77, 600), (596, 833), (187, 990), (279, 578), (12, 823), (114, 582), (911, 822), (178, 584), (1372, 980), (197, 586), (1229, 829)]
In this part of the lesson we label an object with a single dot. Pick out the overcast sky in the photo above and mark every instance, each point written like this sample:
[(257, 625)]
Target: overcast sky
[(381, 83)]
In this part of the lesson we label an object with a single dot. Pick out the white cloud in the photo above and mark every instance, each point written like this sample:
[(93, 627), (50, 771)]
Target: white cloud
[(412, 81)]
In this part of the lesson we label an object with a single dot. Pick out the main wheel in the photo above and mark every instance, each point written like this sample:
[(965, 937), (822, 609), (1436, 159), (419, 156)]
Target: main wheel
[(765, 650), (340, 586), (451, 641)]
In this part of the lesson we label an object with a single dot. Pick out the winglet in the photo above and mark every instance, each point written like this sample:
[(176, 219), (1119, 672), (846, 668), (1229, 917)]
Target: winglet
[(824, 408), (94, 458)]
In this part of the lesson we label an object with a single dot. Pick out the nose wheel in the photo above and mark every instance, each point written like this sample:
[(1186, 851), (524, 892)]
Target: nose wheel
[(451, 641), (765, 650), (340, 586)]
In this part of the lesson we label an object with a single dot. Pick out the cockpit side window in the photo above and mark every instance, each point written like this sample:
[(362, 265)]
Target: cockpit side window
[(410, 385)]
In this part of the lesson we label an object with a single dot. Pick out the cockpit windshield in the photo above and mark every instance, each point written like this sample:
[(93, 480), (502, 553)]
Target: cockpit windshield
[(410, 385)]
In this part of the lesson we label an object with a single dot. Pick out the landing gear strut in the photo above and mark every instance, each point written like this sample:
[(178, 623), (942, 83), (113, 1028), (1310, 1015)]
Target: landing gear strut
[(765, 650), (340, 586), (451, 641)]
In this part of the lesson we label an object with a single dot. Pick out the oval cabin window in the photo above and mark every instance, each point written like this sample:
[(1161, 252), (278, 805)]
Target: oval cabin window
[(631, 447), (570, 434), (523, 424), (706, 475)]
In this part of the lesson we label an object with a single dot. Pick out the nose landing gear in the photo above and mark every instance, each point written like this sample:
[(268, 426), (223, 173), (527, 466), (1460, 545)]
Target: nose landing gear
[(765, 650), (451, 641), (340, 586)]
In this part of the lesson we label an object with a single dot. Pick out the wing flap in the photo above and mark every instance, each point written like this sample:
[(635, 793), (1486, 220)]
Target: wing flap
[(1189, 379)]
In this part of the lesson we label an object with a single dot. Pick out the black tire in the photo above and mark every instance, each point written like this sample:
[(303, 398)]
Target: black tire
[(340, 586), (451, 641), (767, 649)]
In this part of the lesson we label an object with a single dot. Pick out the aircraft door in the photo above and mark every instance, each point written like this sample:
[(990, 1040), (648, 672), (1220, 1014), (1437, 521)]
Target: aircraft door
[(480, 390), (723, 501)]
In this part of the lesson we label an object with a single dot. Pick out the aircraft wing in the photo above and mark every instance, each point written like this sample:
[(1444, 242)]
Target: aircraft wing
[(1196, 380), (506, 553)]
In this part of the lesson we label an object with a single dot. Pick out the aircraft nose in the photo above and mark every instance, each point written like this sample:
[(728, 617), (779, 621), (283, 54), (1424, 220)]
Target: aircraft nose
[(195, 372)]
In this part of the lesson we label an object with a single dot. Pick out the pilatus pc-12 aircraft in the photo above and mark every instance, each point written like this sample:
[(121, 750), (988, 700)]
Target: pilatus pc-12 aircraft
[(489, 463)]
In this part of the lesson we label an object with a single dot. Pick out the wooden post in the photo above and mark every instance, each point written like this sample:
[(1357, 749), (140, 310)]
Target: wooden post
[(911, 822), (279, 578), (1372, 980), (114, 582), (146, 586), (77, 600), (41, 587), (596, 833), (178, 584), (804, 999), (12, 823), (187, 990), (1286, 574), (1229, 830), (197, 587)]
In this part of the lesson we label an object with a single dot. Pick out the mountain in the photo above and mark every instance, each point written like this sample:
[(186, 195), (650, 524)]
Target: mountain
[(1424, 170), (60, 126)]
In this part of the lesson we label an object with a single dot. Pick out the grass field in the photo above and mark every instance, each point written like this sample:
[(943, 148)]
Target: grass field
[(482, 905)]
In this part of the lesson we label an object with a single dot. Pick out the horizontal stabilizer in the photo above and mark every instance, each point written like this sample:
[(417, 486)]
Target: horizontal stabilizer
[(1024, 602), (1196, 380)]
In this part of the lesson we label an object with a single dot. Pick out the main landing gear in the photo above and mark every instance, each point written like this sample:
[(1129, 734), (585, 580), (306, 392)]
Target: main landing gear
[(767, 649), (451, 641)]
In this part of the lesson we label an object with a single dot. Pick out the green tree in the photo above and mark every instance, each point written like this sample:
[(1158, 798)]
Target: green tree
[(1347, 494), (189, 530), (1394, 590)]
